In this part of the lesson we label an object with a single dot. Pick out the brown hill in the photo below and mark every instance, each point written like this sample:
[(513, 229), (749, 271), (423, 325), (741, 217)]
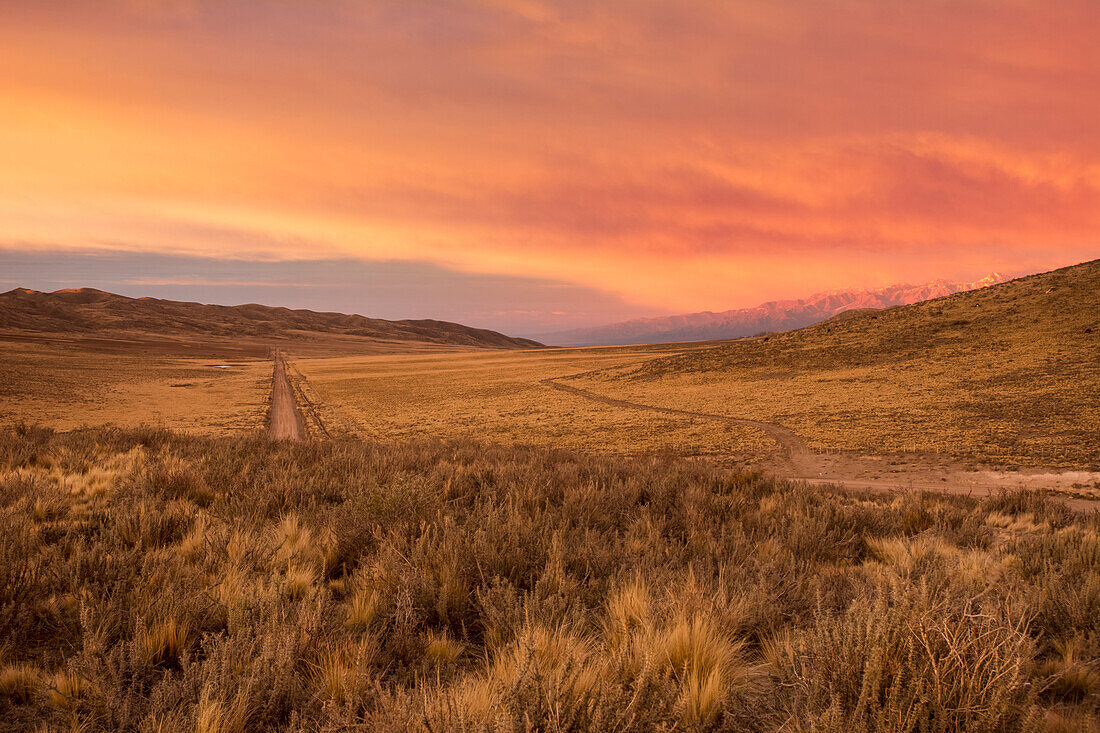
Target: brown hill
[(1044, 318), (1007, 373), (87, 311)]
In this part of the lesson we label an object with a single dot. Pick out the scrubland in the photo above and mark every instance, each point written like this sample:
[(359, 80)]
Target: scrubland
[(68, 386), (158, 582), (1006, 375), (498, 397)]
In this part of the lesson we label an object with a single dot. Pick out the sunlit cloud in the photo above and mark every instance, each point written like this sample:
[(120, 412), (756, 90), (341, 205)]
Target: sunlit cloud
[(692, 155)]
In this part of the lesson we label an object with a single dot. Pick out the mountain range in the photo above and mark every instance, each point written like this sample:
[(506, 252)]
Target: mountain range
[(87, 311), (776, 315)]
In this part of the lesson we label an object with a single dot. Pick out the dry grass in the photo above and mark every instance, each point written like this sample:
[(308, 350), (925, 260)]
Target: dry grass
[(460, 586), (65, 387), (19, 684), (497, 397), (163, 643), (443, 649)]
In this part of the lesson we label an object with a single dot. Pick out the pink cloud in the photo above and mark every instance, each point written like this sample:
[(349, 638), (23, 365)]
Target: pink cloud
[(678, 151)]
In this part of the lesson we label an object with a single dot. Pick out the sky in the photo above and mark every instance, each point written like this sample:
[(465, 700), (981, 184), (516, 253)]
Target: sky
[(531, 166)]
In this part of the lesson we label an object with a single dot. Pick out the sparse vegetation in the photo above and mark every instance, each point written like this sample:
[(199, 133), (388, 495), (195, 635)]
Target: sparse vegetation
[(498, 397), (69, 385), (158, 582)]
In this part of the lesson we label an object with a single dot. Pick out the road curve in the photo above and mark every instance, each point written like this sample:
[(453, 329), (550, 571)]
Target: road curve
[(798, 453), (284, 420), (806, 465)]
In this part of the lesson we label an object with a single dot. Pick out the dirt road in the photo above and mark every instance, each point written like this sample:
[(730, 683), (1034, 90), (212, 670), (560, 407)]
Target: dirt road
[(882, 473), (798, 454), (284, 421)]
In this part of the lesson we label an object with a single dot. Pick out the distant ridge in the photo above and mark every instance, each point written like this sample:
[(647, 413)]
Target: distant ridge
[(776, 315), (94, 312)]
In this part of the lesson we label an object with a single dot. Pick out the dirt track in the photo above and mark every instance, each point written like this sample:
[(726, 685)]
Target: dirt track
[(798, 461), (798, 453), (876, 473), (284, 420)]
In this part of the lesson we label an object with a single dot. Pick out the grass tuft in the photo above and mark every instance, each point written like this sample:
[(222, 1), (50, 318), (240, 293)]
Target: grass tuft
[(19, 683)]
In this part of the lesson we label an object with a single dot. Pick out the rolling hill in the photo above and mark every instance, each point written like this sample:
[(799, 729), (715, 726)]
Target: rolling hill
[(86, 311), (1007, 373), (777, 315)]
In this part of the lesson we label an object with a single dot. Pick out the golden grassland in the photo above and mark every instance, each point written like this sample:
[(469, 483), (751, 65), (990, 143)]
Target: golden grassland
[(498, 397), (66, 387), (157, 582), (66, 381), (1008, 374)]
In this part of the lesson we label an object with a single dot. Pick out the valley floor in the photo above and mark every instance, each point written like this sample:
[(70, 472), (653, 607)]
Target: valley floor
[(569, 398), (534, 398)]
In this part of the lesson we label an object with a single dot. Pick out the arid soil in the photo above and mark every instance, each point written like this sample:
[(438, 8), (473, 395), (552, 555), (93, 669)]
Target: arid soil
[(284, 421)]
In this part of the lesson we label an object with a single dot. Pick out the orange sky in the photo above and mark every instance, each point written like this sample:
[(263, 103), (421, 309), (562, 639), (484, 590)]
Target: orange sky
[(677, 156)]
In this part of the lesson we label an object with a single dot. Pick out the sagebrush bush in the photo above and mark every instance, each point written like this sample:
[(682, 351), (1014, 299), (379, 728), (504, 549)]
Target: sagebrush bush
[(154, 582)]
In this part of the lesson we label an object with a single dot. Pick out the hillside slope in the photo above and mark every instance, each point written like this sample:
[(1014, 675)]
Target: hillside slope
[(1006, 373), (89, 311), (777, 315)]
